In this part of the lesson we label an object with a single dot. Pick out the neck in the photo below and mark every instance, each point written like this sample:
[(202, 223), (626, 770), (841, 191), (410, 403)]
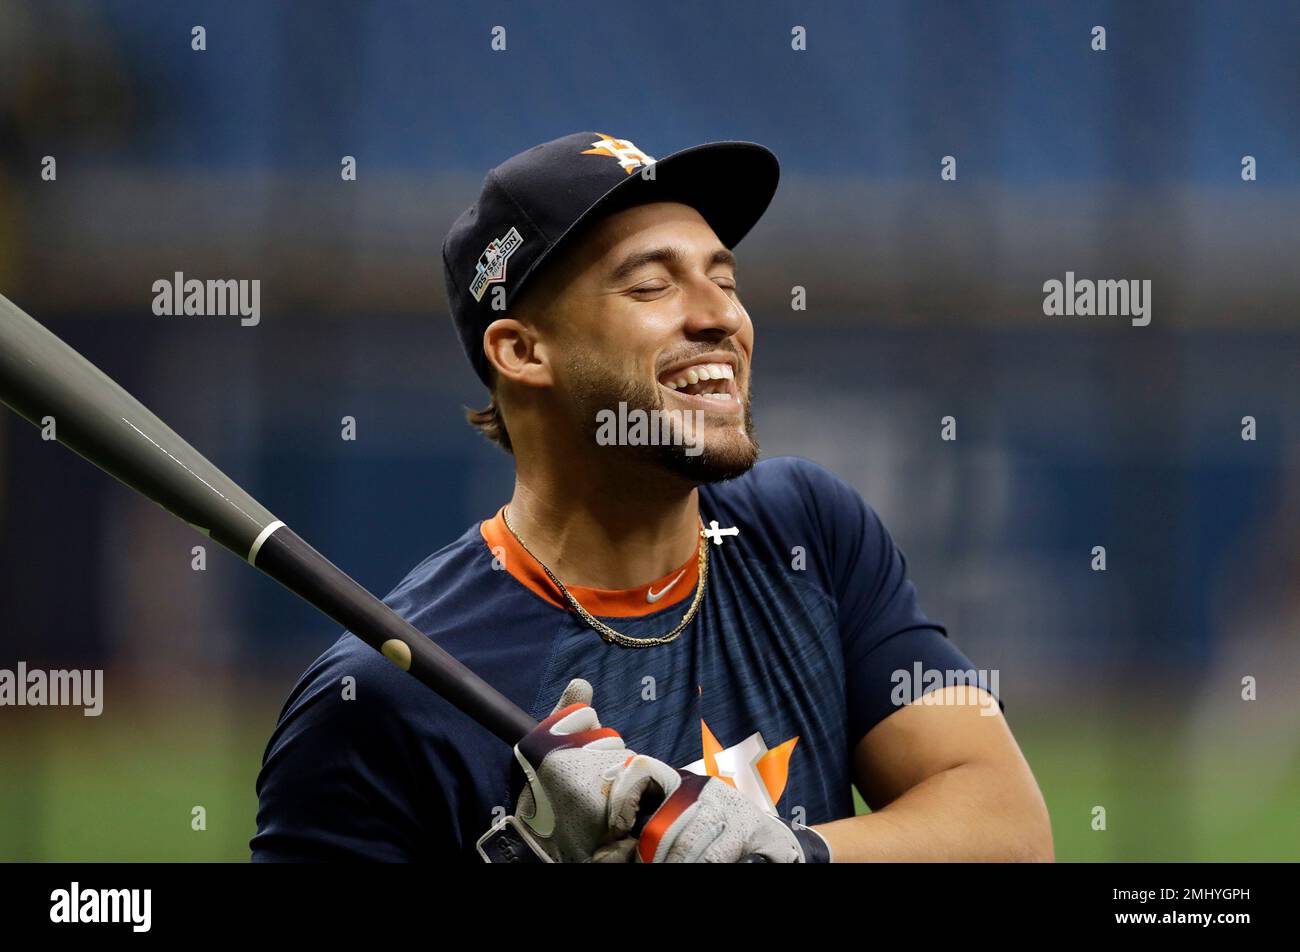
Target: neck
[(605, 529)]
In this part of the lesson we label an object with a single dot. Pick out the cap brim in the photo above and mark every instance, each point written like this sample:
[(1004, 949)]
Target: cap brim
[(729, 183)]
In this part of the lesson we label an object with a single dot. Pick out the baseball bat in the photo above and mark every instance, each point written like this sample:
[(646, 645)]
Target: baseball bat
[(41, 376)]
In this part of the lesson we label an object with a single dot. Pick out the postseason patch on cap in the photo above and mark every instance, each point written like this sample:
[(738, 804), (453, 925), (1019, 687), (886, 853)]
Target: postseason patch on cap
[(491, 266)]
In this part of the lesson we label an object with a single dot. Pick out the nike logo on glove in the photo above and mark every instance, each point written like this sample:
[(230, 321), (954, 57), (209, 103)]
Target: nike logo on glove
[(542, 822)]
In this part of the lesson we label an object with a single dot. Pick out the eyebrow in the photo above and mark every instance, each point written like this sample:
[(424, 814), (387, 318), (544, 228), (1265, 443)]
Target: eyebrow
[(666, 255)]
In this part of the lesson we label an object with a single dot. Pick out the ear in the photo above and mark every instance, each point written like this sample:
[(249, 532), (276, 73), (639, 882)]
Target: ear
[(517, 352)]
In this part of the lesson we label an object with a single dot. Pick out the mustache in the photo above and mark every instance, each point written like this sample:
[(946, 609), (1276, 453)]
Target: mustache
[(696, 355)]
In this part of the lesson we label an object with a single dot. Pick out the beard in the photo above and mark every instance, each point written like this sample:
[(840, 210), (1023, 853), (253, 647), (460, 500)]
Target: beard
[(725, 451)]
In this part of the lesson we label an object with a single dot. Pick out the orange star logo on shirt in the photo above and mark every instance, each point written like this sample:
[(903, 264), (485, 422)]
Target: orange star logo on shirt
[(749, 766)]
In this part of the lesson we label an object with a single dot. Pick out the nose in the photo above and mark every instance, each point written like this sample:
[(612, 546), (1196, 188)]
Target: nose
[(713, 312)]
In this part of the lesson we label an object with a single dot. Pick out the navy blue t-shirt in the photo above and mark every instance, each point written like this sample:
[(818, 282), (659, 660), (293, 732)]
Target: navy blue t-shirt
[(791, 659)]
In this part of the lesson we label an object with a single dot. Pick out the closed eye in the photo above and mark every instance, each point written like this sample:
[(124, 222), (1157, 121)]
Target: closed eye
[(727, 284)]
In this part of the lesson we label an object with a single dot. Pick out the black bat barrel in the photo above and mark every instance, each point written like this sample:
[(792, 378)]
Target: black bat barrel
[(42, 378)]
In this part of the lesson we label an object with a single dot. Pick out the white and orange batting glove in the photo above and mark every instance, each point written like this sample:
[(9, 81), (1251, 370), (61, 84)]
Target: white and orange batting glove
[(701, 820), (569, 762)]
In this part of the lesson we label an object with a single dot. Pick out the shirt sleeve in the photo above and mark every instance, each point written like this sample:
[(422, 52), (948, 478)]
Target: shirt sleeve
[(347, 773), (893, 653)]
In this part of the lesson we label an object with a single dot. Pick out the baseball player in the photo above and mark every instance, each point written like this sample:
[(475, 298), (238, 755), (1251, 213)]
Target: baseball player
[(746, 630)]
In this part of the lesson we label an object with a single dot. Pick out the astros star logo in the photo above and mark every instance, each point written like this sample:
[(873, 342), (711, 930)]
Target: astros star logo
[(760, 774), (628, 155)]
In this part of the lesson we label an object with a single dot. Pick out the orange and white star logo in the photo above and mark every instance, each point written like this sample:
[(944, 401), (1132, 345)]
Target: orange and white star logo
[(628, 155), (760, 774)]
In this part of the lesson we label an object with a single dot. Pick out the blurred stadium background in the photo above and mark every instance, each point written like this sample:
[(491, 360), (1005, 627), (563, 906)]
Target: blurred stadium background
[(924, 300)]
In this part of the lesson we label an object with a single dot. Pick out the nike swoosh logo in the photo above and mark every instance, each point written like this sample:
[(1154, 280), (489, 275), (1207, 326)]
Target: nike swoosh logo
[(542, 822), (652, 596)]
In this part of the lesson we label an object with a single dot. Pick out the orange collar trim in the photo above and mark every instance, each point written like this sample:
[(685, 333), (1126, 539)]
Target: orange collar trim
[(601, 602)]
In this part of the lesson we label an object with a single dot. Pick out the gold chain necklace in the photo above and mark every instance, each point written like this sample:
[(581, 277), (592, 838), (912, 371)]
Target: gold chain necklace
[(606, 632)]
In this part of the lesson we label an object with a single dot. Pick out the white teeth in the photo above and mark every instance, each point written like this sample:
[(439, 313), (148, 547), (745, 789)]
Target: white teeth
[(702, 372)]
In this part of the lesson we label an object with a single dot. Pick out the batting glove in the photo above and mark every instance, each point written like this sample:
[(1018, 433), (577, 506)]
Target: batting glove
[(569, 762), (701, 820)]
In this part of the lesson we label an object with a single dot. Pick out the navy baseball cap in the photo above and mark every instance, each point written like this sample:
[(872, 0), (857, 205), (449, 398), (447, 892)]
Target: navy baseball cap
[(539, 200)]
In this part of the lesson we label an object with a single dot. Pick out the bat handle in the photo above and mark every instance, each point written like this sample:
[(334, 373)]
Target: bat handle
[(291, 561)]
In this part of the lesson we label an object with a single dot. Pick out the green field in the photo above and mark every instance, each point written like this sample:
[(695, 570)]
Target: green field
[(74, 789)]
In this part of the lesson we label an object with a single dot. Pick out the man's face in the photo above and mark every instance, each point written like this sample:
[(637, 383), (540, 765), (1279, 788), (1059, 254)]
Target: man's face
[(648, 315)]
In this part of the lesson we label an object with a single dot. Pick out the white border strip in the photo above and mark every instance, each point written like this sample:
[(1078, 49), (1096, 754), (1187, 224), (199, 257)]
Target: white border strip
[(262, 537)]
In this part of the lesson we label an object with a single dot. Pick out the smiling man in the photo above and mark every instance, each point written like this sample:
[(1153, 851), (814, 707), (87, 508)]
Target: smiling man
[(743, 627)]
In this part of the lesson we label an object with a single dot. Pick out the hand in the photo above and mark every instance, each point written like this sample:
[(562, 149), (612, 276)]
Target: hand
[(569, 762), (700, 820)]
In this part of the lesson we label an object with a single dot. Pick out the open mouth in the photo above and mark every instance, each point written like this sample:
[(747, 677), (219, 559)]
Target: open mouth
[(705, 384)]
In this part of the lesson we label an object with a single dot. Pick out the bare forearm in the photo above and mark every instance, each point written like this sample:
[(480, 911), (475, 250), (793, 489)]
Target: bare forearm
[(968, 813)]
